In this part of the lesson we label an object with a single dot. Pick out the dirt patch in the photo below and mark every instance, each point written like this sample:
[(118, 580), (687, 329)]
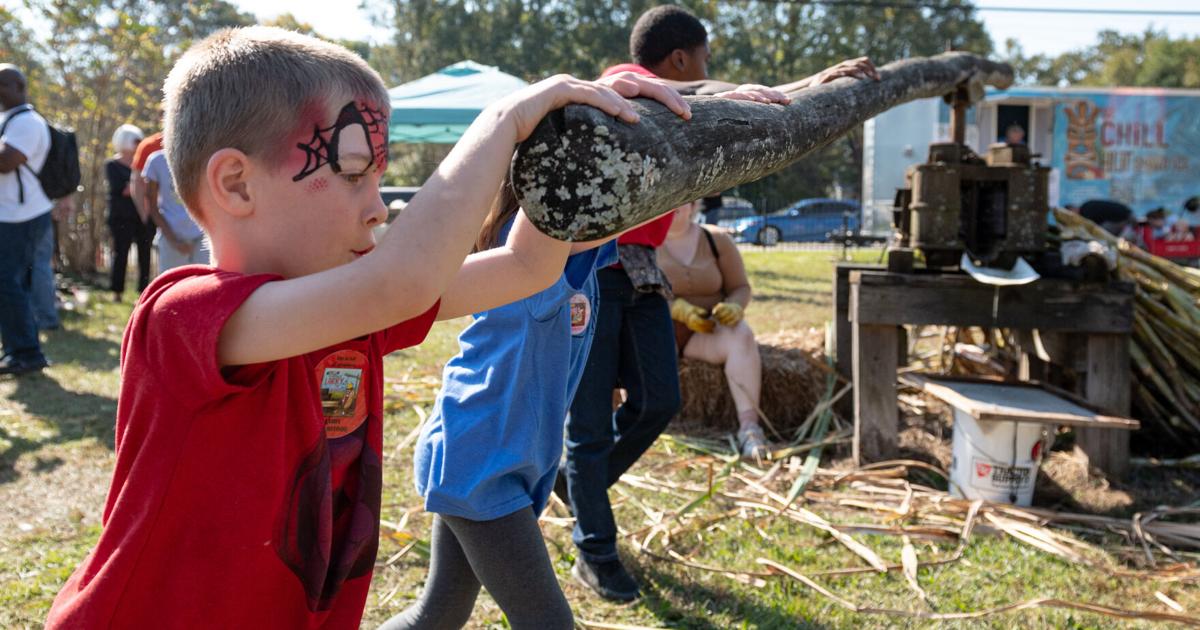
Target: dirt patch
[(1067, 483)]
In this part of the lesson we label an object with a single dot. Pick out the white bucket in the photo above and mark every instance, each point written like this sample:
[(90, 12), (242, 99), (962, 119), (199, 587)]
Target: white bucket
[(995, 461)]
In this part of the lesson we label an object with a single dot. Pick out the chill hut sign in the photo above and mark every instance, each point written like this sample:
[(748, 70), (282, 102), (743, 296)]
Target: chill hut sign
[(1135, 146)]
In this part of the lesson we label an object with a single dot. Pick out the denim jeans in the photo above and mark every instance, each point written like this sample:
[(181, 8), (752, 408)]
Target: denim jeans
[(44, 297), (634, 348), (18, 245)]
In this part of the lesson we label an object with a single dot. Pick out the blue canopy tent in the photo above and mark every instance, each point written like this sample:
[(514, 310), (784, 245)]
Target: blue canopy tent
[(439, 107)]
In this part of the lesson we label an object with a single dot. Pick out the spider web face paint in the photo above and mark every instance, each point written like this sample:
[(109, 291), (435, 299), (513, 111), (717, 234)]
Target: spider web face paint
[(322, 149)]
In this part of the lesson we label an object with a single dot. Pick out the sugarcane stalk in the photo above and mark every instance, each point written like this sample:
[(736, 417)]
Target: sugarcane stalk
[(1178, 275), (1146, 283), (1158, 413), (1181, 303), (1156, 350), (1166, 335), (1143, 331), (1178, 344), (1078, 222), (584, 175), (1147, 369), (1165, 267), (1161, 311), (1181, 340), (1144, 274)]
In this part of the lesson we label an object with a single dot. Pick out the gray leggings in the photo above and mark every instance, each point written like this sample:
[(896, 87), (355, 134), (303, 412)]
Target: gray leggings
[(507, 555)]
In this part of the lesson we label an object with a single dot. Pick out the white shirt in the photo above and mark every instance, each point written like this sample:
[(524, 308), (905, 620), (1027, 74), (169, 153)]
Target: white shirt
[(29, 134)]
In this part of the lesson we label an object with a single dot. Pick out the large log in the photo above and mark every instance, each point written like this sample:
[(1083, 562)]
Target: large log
[(583, 175)]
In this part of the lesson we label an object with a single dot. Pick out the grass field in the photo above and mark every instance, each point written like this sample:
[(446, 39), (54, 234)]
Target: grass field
[(56, 433)]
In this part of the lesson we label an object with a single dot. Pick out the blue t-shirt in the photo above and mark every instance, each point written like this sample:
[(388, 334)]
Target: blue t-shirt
[(494, 440), (169, 204)]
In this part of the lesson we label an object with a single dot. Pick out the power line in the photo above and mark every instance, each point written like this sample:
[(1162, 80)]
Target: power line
[(1151, 12), (900, 4)]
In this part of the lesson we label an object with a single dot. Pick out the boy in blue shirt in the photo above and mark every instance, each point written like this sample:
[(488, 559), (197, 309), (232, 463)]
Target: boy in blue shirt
[(487, 458)]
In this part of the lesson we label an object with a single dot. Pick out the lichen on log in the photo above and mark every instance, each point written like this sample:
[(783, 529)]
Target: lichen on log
[(584, 175)]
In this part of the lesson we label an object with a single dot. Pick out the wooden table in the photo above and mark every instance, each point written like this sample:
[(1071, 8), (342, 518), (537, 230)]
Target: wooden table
[(871, 305)]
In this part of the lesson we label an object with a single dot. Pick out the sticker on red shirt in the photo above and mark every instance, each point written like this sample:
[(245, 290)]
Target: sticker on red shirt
[(581, 313), (341, 377)]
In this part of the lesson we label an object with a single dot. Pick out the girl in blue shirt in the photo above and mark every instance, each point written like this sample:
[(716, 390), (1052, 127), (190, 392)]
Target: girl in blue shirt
[(487, 458)]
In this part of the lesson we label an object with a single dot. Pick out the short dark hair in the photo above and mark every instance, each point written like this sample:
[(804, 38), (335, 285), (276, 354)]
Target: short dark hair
[(663, 30)]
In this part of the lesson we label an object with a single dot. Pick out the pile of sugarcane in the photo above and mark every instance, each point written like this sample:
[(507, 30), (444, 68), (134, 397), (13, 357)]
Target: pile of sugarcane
[(1166, 349), (687, 497)]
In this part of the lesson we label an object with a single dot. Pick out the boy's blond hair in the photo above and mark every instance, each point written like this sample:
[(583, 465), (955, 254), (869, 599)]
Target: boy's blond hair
[(246, 88)]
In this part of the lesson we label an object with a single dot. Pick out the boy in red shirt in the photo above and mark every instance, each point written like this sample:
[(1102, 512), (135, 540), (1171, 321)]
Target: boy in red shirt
[(247, 485)]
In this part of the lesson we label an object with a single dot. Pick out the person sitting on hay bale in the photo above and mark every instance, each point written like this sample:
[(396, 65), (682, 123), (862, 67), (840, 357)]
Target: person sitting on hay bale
[(711, 294)]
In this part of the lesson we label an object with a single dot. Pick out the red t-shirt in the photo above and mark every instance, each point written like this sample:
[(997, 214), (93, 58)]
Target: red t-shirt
[(654, 232), (247, 497), (628, 67), (148, 145)]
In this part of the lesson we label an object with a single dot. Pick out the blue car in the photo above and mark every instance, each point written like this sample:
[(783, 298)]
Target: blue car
[(807, 220)]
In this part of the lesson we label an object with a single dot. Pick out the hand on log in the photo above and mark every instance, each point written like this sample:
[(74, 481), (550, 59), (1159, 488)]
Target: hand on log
[(583, 175)]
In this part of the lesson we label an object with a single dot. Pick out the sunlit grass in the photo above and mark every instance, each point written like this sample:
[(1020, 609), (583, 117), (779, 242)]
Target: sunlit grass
[(56, 423)]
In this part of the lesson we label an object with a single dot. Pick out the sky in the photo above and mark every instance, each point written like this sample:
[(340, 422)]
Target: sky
[(1048, 33)]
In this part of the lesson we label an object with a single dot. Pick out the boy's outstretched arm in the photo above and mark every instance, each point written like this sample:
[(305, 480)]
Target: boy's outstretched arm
[(422, 251), (526, 263), (859, 68)]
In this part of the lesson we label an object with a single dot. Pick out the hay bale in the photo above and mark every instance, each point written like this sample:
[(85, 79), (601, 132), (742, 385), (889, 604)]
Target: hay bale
[(793, 383)]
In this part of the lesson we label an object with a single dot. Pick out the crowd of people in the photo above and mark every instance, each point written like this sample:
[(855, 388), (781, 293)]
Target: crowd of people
[(1120, 220), (248, 477), (143, 211)]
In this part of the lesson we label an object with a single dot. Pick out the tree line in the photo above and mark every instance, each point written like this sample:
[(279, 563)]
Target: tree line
[(95, 64)]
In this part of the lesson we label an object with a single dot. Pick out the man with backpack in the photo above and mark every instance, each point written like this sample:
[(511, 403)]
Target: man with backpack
[(33, 164)]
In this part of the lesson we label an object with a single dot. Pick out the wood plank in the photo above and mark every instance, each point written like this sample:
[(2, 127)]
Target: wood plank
[(1097, 423), (1108, 388), (958, 300), (876, 416), (1015, 402)]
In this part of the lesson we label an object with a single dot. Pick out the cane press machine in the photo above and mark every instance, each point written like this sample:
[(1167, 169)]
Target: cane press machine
[(986, 216), (993, 207)]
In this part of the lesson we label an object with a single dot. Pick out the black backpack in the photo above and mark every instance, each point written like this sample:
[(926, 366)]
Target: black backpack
[(59, 176)]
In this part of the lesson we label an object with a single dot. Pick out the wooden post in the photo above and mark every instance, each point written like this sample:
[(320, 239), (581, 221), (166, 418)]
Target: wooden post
[(876, 419), (900, 260), (842, 352), (1030, 367), (1108, 388), (841, 321)]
